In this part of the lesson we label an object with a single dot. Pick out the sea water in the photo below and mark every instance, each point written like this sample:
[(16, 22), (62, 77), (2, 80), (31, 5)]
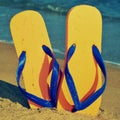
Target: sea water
[(54, 13)]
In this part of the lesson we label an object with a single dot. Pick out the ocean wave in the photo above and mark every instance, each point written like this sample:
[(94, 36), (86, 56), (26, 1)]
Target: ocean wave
[(111, 18), (53, 8), (49, 7), (108, 8)]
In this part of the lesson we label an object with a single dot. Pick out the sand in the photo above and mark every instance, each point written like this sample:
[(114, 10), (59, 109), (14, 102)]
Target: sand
[(13, 105)]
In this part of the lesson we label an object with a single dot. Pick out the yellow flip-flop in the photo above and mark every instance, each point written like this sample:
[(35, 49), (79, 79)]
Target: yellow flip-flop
[(83, 32), (31, 42)]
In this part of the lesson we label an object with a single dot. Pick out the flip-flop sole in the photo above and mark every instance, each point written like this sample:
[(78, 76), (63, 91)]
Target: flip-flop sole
[(84, 28), (29, 34)]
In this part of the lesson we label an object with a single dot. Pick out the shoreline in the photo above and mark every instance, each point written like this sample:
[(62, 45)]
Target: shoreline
[(13, 103), (106, 61)]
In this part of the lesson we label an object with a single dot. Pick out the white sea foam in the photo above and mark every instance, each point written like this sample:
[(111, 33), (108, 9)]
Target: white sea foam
[(114, 63), (5, 41), (58, 51)]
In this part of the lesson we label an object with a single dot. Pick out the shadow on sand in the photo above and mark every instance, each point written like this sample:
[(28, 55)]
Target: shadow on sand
[(12, 93)]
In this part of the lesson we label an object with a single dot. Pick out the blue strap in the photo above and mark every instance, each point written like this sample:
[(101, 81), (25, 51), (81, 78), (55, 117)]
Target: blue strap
[(96, 94), (69, 79), (54, 77), (82, 105), (53, 84)]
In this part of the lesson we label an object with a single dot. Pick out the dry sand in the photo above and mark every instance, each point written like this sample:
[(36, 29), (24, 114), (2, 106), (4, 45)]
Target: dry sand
[(13, 105)]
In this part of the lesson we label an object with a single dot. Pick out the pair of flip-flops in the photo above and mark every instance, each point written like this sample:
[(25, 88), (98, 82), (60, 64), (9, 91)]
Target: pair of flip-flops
[(79, 86)]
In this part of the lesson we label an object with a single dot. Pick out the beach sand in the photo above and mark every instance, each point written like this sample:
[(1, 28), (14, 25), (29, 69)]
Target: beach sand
[(13, 105)]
